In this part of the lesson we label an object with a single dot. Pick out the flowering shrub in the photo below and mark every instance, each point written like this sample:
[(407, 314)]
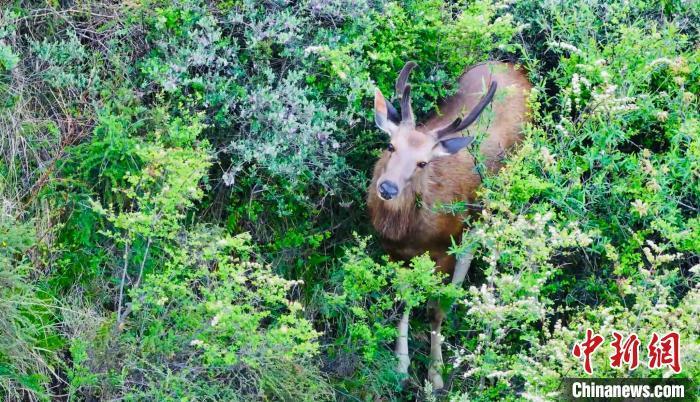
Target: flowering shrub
[(368, 298), (215, 308), (590, 225), (204, 298), (181, 182)]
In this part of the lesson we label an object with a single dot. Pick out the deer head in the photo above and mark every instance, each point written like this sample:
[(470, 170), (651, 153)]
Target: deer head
[(412, 148)]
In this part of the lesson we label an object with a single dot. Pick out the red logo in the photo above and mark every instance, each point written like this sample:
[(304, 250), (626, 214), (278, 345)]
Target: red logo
[(627, 352), (586, 348), (665, 351)]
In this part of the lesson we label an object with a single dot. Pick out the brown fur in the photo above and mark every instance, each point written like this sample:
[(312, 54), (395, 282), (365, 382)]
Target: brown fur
[(408, 225)]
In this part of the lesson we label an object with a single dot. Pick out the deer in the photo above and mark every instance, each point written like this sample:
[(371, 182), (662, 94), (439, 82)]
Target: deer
[(433, 162)]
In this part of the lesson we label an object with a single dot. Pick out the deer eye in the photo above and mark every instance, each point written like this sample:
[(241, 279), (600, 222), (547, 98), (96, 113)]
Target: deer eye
[(390, 147), (422, 164)]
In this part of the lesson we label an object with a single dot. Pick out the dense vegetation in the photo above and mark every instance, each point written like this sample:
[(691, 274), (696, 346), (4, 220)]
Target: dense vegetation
[(182, 197)]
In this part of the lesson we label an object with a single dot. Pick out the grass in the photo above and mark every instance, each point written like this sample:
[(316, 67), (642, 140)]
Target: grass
[(182, 197)]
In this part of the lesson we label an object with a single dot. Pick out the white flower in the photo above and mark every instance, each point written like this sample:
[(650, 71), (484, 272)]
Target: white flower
[(567, 46), (314, 49), (695, 269), (561, 129), (641, 207), (229, 179), (575, 85), (196, 342), (661, 60), (653, 185), (547, 157)]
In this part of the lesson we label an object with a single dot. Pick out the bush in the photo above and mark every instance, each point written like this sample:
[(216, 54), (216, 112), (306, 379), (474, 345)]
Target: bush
[(181, 183), (601, 170), (444, 37), (362, 311), (213, 322), (28, 337)]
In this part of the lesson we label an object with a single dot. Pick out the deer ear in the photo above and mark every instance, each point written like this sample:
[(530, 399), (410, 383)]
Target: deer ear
[(451, 146), (384, 113)]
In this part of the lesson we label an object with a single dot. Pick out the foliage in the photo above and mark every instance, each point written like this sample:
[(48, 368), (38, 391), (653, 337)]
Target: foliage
[(444, 37), (28, 339), (181, 183), (603, 170), (368, 298), (213, 322)]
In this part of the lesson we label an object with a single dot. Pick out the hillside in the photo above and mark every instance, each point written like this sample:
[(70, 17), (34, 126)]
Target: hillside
[(183, 198)]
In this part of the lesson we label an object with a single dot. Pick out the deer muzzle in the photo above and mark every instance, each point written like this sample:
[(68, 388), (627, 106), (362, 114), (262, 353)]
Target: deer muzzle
[(388, 190)]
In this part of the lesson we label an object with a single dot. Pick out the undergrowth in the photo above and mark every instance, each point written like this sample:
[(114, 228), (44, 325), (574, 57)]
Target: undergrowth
[(182, 197)]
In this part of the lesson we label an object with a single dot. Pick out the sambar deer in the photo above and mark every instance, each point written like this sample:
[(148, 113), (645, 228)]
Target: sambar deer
[(430, 162)]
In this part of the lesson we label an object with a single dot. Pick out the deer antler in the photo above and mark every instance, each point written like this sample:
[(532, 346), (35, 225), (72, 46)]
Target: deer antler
[(406, 111), (403, 92), (460, 124), (402, 80)]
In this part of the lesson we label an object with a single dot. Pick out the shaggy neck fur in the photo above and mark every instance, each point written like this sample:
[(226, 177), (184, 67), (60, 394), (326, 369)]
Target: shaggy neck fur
[(397, 219)]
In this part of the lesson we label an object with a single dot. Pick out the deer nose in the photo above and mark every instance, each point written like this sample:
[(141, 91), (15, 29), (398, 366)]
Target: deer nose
[(388, 189)]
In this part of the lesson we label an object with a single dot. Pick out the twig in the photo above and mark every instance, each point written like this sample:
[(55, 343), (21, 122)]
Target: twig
[(121, 285), (143, 262)]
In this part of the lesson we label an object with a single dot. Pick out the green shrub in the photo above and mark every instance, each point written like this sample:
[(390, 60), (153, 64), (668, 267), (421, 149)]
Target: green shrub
[(142, 141), (213, 322), (363, 309), (609, 159), (28, 338), (443, 37), (186, 290)]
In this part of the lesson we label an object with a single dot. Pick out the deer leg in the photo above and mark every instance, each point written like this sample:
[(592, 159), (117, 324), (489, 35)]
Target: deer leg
[(437, 315), (463, 263), (434, 372), (401, 350), (462, 268)]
